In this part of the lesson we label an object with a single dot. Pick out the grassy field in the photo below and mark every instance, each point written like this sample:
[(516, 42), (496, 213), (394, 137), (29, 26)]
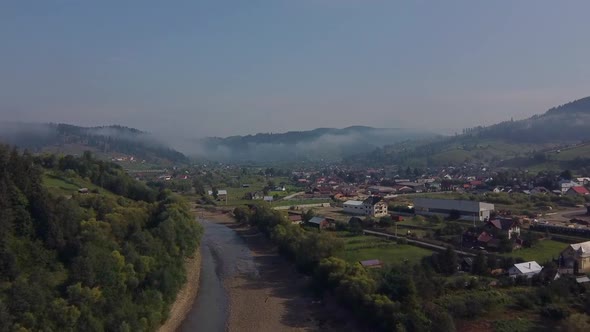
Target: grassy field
[(68, 186), (544, 251), (363, 247), (573, 153)]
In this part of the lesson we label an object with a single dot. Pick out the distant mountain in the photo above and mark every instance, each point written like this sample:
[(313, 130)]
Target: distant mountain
[(563, 124), (560, 127), (320, 143), (105, 140)]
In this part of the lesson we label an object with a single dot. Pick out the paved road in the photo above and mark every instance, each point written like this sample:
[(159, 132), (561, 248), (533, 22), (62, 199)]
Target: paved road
[(425, 244), (293, 195)]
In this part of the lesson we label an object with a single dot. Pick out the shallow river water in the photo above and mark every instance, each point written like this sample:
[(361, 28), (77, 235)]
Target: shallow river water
[(223, 255)]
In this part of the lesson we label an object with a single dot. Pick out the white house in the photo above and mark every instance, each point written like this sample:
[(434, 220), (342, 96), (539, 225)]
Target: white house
[(527, 269), (373, 206)]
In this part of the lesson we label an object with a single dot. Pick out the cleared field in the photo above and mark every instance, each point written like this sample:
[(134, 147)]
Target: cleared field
[(362, 247), (68, 186), (544, 251)]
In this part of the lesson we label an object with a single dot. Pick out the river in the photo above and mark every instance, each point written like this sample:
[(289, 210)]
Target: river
[(223, 255)]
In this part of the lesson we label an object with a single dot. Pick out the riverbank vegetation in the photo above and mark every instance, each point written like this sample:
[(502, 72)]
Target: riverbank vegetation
[(109, 257), (429, 294)]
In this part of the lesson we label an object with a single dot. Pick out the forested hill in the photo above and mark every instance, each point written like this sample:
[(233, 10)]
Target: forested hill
[(90, 261), (560, 127), (562, 124), (108, 140), (321, 143)]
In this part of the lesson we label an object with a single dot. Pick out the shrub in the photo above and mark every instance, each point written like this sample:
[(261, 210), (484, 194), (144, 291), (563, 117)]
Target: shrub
[(555, 312)]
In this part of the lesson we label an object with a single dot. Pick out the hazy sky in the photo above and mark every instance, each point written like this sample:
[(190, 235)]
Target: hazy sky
[(244, 66)]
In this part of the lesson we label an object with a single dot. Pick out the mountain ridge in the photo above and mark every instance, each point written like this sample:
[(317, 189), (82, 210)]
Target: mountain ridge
[(318, 143), (68, 138)]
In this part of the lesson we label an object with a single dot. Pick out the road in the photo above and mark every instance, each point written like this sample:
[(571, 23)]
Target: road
[(424, 244), (293, 195), (565, 216)]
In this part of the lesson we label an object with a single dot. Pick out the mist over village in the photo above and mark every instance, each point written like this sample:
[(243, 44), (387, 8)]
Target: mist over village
[(299, 166)]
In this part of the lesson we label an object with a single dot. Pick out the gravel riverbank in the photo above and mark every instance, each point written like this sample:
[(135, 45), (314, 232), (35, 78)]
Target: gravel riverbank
[(186, 296)]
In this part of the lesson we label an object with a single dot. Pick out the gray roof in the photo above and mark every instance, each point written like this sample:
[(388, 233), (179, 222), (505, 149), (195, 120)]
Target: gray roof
[(316, 220), (451, 204)]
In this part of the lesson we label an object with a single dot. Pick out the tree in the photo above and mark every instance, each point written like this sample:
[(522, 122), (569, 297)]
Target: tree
[(449, 261), (307, 215), (480, 264), (386, 221), (199, 187), (566, 175)]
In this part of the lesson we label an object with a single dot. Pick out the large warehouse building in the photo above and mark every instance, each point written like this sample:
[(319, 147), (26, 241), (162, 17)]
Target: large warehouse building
[(467, 210)]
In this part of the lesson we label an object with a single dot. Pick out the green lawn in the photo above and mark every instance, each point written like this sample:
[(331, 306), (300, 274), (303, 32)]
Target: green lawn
[(69, 186), (51, 181), (544, 251), (363, 247)]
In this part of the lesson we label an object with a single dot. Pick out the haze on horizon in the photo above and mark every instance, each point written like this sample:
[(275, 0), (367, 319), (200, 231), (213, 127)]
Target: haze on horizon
[(220, 68)]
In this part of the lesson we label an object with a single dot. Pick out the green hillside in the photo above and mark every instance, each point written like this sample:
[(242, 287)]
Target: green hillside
[(110, 259), (553, 140)]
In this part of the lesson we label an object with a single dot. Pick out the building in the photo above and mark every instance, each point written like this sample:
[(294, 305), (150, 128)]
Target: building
[(373, 206), (508, 227), (576, 258), (465, 210), (319, 222), (371, 264), (565, 185), (295, 218), (527, 269), (221, 194), (255, 195), (577, 191)]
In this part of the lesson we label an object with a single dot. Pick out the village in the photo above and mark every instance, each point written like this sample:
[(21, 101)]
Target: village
[(533, 219)]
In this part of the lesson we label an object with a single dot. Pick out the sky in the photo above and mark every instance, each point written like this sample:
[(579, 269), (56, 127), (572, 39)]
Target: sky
[(220, 68)]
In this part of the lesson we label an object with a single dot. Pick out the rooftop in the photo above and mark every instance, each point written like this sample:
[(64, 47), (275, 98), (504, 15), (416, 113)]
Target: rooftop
[(351, 202), (528, 267)]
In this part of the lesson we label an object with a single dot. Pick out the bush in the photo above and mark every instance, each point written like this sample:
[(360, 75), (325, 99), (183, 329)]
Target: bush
[(555, 312)]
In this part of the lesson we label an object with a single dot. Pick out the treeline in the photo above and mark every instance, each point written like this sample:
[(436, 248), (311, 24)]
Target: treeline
[(89, 262), (389, 302)]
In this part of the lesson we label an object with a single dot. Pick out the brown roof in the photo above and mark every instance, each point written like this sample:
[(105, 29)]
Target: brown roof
[(484, 237)]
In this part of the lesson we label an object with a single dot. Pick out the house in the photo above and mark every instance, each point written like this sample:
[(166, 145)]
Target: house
[(371, 263), (466, 264), (381, 190), (527, 269), (508, 227), (295, 218), (582, 280), (373, 206), (376, 206), (576, 257), (565, 185), (221, 194), (268, 199), (577, 191), (255, 195), (465, 210), (484, 238), (319, 222), (83, 190)]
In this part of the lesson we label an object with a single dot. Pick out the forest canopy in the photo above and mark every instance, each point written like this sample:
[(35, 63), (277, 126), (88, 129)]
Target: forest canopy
[(87, 261)]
